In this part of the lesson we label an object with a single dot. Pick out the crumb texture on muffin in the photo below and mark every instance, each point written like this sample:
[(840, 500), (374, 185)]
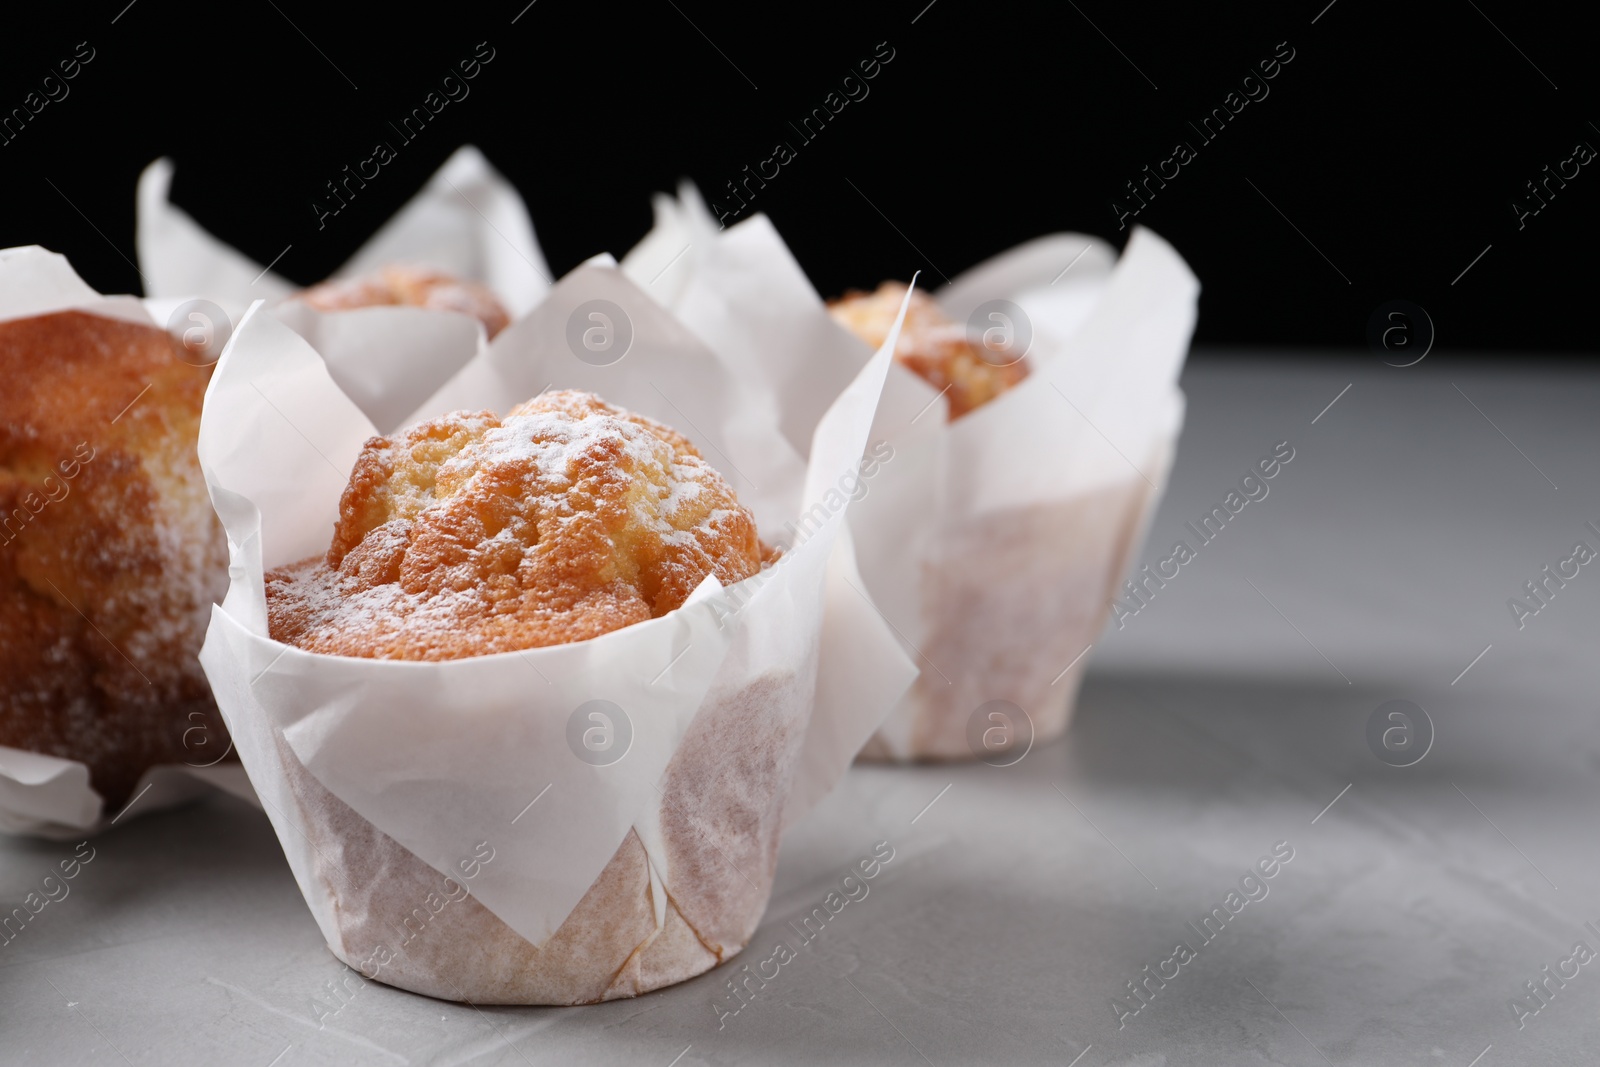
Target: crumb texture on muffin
[(470, 534), (930, 344), (408, 285), (110, 553)]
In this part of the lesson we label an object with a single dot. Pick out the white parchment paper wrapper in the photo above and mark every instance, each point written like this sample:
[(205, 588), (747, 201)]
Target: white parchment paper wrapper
[(994, 543), (48, 796), (468, 220), (385, 778)]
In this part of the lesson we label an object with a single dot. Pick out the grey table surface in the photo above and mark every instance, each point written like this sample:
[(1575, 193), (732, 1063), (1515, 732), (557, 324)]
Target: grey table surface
[(1220, 720)]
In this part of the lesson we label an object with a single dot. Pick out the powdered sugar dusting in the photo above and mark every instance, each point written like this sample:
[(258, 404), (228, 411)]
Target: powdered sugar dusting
[(469, 534)]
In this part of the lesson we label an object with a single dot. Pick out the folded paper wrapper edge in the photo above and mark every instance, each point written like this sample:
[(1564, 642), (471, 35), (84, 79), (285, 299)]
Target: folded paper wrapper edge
[(466, 219), (260, 350)]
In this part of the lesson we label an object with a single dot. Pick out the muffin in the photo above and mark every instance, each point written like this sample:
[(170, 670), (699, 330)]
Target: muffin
[(1004, 645), (110, 553), (563, 520), (468, 535), (930, 344), (410, 285)]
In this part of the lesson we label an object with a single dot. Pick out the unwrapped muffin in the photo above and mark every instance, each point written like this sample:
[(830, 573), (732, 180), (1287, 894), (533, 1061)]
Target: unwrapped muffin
[(110, 553)]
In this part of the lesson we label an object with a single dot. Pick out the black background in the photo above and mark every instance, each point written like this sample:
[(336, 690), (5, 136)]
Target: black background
[(1394, 142)]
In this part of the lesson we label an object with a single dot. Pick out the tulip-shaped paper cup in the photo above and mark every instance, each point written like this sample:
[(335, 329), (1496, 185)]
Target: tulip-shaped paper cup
[(467, 222), (993, 542), (562, 824)]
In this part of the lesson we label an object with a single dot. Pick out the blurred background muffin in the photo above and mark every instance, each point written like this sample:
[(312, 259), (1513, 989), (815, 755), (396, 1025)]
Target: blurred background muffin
[(931, 344), (110, 553), (410, 285)]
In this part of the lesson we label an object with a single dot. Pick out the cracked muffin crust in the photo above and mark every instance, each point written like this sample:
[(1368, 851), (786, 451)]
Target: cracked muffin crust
[(470, 534)]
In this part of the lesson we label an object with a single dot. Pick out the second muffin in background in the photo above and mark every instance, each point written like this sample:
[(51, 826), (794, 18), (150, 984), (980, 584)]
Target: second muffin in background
[(995, 540), (411, 285), (931, 344)]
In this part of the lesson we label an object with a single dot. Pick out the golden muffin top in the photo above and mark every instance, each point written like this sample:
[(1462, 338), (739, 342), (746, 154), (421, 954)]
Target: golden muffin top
[(469, 534)]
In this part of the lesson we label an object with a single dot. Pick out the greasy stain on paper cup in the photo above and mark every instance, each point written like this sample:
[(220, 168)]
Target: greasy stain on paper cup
[(599, 732), (999, 733)]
